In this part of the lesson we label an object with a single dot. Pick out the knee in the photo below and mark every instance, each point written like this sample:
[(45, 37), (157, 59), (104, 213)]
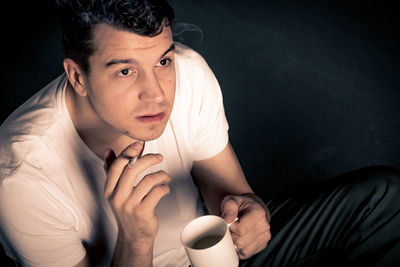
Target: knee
[(377, 179), (389, 173)]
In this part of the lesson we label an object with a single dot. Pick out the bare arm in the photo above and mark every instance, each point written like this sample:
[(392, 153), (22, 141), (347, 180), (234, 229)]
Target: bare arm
[(83, 263), (123, 256), (218, 177), (226, 192)]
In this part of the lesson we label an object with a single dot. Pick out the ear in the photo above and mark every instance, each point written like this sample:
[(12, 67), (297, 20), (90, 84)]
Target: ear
[(75, 76)]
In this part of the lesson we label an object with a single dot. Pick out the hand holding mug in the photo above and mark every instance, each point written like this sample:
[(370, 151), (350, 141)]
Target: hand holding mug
[(251, 232)]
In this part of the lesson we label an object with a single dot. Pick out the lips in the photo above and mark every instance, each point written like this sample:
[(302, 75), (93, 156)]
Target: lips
[(151, 118)]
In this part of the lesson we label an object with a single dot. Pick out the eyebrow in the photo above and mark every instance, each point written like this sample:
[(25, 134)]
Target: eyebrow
[(127, 61)]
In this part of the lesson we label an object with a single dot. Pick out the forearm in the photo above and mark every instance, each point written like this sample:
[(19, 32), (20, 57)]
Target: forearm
[(213, 196), (219, 177), (130, 254), (226, 192)]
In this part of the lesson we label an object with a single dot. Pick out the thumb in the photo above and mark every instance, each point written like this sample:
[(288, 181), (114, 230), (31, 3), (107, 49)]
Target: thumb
[(229, 209)]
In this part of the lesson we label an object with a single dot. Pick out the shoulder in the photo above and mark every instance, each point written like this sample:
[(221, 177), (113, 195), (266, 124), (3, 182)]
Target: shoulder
[(34, 115), (26, 129), (185, 52), (189, 58), (194, 76)]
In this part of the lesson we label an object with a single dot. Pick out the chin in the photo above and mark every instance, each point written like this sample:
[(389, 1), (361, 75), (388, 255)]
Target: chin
[(148, 134), (151, 137)]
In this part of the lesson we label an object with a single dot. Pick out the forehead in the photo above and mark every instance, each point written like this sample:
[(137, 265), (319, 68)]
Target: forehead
[(112, 42)]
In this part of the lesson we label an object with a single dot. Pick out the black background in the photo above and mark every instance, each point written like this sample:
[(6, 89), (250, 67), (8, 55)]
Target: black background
[(311, 88)]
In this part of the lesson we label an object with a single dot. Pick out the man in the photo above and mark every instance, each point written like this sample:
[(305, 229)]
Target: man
[(152, 110)]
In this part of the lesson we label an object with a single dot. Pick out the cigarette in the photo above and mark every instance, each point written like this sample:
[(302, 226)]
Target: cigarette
[(131, 162)]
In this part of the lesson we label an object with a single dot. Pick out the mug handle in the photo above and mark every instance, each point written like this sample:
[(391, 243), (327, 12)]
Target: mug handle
[(229, 224)]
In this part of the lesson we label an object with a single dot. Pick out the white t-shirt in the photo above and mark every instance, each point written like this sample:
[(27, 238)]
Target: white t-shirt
[(52, 209)]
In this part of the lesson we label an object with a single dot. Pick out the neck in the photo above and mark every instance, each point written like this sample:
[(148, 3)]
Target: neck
[(88, 125)]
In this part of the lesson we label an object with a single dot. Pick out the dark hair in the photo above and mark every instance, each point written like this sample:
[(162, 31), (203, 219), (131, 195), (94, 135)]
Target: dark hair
[(79, 17)]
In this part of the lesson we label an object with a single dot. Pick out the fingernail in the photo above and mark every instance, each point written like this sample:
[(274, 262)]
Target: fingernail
[(227, 214), (136, 145)]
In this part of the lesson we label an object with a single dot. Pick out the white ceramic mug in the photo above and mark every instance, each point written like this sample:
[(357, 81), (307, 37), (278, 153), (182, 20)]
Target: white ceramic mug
[(208, 243)]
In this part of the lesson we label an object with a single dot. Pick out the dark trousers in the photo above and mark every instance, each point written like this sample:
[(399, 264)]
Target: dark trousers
[(349, 220)]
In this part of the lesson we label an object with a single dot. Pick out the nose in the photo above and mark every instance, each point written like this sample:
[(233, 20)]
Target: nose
[(150, 89)]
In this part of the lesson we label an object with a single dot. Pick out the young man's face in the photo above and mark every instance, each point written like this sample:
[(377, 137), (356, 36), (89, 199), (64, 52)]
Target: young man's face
[(131, 83)]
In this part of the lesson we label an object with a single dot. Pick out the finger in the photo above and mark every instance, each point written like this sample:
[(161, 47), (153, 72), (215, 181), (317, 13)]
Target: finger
[(146, 185), (264, 240), (243, 226), (253, 249), (129, 175), (109, 157), (154, 196), (129, 152), (260, 201), (242, 244), (243, 240), (259, 227), (261, 248), (249, 218), (117, 166), (229, 209), (250, 242), (248, 245)]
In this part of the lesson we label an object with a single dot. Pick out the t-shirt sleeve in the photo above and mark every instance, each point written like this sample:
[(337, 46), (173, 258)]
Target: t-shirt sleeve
[(34, 229), (211, 135)]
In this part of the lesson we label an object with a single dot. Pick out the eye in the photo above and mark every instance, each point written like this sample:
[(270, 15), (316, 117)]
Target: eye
[(125, 72), (164, 62)]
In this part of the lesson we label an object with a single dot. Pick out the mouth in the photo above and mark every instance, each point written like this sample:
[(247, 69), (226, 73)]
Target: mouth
[(151, 118)]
